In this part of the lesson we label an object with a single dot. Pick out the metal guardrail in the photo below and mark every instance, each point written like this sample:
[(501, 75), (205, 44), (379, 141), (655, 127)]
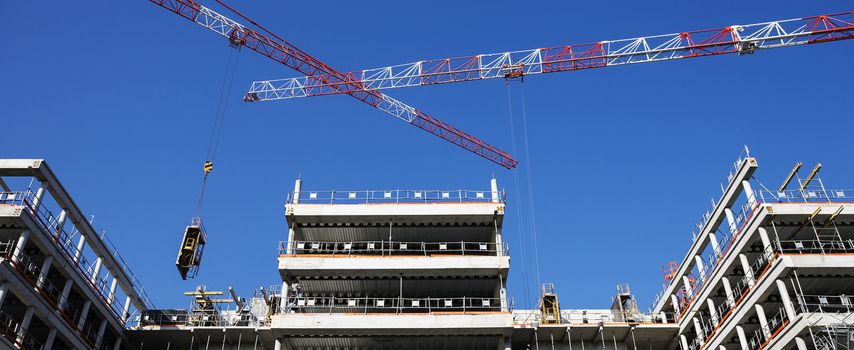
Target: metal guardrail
[(392, 248), (31, 271), (534, 317), (391, 305), (775, 322), (49, 222), (391, 196), (807, 303), (743, 156), (11, 330), (808, 195), (816, 246), (180, 317), (824, 303)]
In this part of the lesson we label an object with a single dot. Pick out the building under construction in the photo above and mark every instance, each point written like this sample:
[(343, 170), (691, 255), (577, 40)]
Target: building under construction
[(768, 268)]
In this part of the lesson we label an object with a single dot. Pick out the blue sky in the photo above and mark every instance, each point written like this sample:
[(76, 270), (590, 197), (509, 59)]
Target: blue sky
[(119, 97)]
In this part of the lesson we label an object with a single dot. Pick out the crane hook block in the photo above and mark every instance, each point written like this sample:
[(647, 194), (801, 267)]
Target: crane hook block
[(192, 247), (208, 167)]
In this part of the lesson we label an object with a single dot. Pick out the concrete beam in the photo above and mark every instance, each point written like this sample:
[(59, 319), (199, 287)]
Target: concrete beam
[(409, 266), (495, 323)]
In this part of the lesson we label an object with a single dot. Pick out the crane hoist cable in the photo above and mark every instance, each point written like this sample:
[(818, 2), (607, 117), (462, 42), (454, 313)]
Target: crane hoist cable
[(533, 226), (519, 225), (195, 237), (530, 181), (218, 122)]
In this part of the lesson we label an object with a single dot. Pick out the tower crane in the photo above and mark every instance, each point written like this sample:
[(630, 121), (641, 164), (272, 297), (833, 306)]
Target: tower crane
[(321, 79), (737, 39), (265, 42)]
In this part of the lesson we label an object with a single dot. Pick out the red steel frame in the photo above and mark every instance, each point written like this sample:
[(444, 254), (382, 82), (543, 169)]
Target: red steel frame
[(289, 55)]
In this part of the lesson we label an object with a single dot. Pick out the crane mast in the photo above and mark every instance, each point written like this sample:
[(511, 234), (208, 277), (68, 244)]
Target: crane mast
[(739, 39), (281, 51)]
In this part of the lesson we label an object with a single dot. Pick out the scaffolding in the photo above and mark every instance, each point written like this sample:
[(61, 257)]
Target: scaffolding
[(623, 306)]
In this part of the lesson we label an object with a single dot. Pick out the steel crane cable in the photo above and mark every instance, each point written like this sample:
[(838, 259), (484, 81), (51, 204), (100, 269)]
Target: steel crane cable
[(218, 122), (533, 225), (519, 226), (530, 182)]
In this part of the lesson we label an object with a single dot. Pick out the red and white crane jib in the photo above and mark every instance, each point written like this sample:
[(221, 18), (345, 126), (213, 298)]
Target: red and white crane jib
[(741, 39), (291, 56)]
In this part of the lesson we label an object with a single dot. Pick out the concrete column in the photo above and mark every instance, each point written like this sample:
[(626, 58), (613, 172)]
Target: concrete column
[(19, 247), (96, 271), (66, 290), (787, 301), (675, 302), (37, 201), (494, 186), (763, 321), (83, 314), (766, 242), (99, 338), (499, 240), (48, 260), (712, 310), (25, 323), (126, 309), (748, 192), (699, 261), (80, 244), (51, 336), (290, 245), (687, 284), (742, 339), (60, 223), (508, 343), (112, 294), (728, 290), (730, 219), (663, 317), (713, 240), (4, 290), (502, 294), (801, 344), (283, 299), (297, 187), (278, 343), (748, 272), (118, 343), (684, 342), (698, 328)]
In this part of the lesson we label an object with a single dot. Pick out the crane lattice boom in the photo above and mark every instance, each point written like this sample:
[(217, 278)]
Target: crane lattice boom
[(291, 56), (741, 39)]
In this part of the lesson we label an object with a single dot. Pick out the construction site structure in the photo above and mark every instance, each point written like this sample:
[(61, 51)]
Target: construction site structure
[(62, 283), (400, 269)]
